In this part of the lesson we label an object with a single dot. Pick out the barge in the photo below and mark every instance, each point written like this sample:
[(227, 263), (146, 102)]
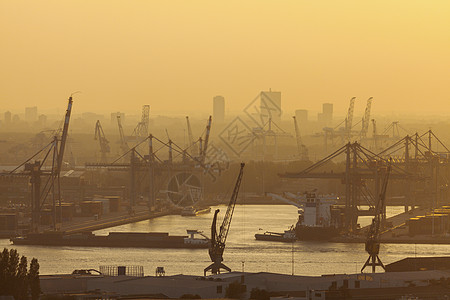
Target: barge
[(114, 239)]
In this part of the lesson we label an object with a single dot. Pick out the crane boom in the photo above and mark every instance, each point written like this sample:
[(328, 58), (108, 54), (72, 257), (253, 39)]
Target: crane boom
[(103, 141), (64, 135), (218, 239), (190, 135), (349, 120), (205, 144), (366, 118), (123, 142)]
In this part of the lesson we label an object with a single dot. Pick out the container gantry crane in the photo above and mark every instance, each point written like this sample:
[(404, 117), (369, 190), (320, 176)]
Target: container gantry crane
[(218, 239), (373, 235), (104, 143)]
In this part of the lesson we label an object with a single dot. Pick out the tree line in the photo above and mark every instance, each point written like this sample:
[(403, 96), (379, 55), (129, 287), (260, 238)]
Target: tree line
[(16, 279)]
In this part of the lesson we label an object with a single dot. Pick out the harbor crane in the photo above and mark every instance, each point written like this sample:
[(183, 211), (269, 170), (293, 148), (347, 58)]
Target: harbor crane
[(141, 130), (218, 239), (104, 143), (190, 137), (366, 118), (123, 142), (349, 119), (205, 144), (45, 174), (373, 235), (302, 150)]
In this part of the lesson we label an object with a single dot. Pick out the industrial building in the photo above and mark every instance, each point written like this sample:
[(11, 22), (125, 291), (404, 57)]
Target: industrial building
[(389, 285)]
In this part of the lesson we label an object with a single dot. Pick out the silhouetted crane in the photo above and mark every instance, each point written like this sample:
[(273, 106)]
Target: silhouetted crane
[(218, 239), (104, 143), (366, 118), (373, 235), (301, 148), (123, 142)]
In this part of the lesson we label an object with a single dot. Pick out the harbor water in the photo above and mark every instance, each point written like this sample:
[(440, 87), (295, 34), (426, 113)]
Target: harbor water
[(242, 252)]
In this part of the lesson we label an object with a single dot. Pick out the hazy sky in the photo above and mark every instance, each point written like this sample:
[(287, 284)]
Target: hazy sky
[(177, 55)]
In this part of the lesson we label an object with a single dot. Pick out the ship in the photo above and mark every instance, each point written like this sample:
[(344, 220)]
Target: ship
[(318, 216), (115, 239), (191, 211), (288, 236)]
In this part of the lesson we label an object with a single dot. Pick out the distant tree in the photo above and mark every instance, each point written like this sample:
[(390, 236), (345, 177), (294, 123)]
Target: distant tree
[(14, 278), (11, 271), (33, 279), (4, 261), (21, 288)]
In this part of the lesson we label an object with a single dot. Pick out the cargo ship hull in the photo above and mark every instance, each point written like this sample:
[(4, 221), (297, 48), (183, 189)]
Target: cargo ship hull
[(114, 239), (315, 233)]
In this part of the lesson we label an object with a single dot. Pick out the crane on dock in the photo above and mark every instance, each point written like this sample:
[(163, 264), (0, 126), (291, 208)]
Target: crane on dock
[(349, 119), (373, 235), (123, 142), (103, 141), (366, 119), (190, 138), (218, 239), (141, 129), (205, 143), (302, 150)]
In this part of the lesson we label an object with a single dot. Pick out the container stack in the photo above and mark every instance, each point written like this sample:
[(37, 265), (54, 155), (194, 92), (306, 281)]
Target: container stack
[(434, 223), (91, 208)]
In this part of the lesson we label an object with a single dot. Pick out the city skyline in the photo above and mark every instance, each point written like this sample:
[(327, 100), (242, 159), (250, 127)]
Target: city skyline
[(176, 58)]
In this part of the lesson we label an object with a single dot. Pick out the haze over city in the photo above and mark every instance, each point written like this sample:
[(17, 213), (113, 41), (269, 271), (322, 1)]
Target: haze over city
[(266, 150), (177, 55)]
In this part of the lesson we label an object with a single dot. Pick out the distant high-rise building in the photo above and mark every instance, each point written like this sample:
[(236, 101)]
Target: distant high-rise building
[(7, 118), (271, 105), (301, 115), (114, 118), (218, 109), (326, 115), (31, 114), (42, 120), (16, 119)]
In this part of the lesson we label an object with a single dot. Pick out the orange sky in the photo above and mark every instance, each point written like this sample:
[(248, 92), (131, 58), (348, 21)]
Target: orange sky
[(177, 55)]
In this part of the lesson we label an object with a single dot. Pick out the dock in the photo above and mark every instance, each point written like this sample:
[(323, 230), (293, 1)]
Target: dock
[(79, 225), (398, 232)]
